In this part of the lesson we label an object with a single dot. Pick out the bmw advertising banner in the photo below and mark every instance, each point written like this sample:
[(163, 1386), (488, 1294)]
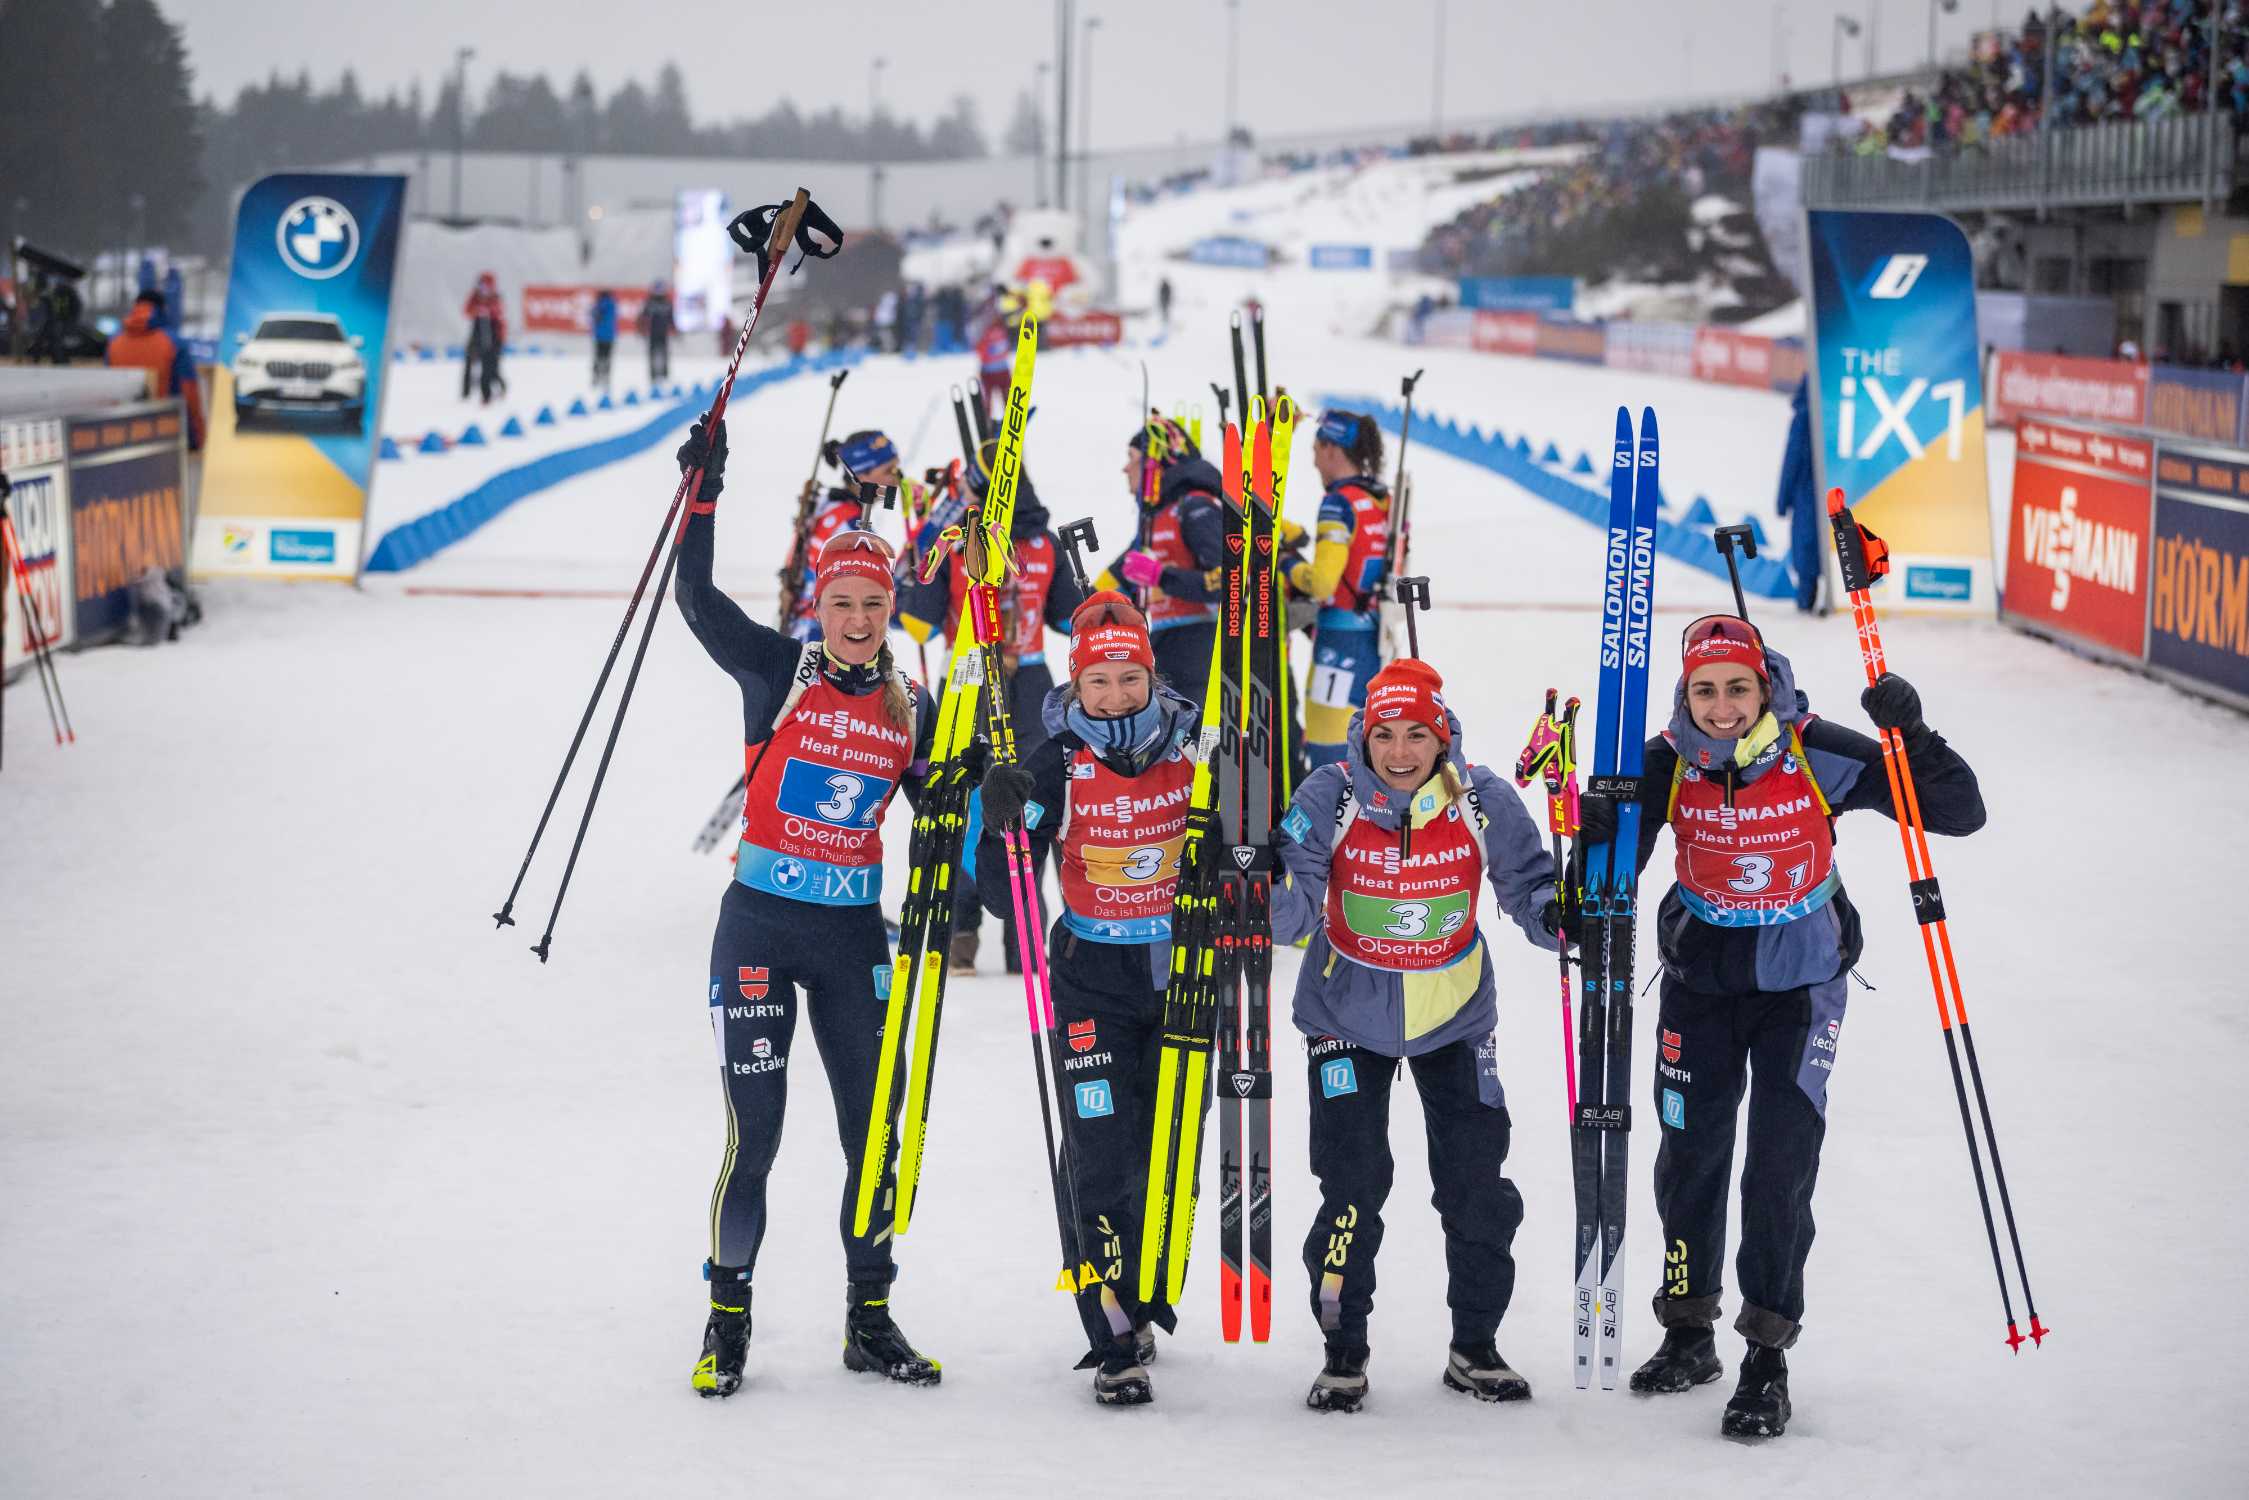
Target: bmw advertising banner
[(296, 394), (1898, 400)]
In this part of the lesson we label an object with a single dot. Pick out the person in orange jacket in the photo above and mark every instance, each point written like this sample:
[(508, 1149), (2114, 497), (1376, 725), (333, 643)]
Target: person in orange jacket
[(143, 344)]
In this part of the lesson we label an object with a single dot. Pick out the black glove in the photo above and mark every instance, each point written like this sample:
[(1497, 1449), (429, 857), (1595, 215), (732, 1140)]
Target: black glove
[(1596, 819), (976, 759), (1006, 788), (701, 451), (1560, 918), (1892, 703)]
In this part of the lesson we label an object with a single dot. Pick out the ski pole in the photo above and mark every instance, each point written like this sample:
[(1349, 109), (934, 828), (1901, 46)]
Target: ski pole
[(42, 652), (1405, 426), (765, 232), (1864, 558), (1257, 336), (1728, 538), (961, 424), (1551, 756), (1241, 371), (1413, 594), (792, 573)]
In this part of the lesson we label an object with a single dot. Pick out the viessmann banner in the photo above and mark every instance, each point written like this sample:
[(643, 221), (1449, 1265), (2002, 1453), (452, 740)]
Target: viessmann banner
[(1898, 399), (296, 397)]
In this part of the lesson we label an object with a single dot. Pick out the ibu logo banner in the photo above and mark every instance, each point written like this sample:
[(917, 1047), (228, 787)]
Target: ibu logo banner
[(1898, 400), (297, 385)]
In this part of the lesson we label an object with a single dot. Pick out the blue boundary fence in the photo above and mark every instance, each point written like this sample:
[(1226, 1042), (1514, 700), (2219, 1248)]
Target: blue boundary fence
[(417, 541), (1766, 576)]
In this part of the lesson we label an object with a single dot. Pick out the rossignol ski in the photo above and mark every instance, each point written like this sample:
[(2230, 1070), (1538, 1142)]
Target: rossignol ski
[(1600, 1130), (925, 921)]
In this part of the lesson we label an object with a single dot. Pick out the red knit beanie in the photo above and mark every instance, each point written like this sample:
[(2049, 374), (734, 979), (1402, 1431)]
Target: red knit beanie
[(1724, 649), (856, 554), (1409, 690), (1108, 627)]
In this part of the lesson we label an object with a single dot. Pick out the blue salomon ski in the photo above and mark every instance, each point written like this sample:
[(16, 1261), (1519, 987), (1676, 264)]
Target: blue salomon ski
[(1602, 1128)]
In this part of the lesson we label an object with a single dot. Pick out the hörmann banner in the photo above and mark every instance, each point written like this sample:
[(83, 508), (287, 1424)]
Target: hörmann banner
[(2198, 572), (1898, 399), (128, 509), (296, 398)]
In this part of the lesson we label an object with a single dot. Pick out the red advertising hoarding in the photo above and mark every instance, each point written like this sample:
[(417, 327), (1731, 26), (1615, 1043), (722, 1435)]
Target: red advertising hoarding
[(2082, 506), (2059, 385), (1061, 330), (1729, 358), (569, 309), (1505, 333)]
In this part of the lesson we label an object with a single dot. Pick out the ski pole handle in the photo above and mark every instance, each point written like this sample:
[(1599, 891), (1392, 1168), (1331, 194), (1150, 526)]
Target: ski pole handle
[(1077, 540), (1413, 593), (1728, 538)]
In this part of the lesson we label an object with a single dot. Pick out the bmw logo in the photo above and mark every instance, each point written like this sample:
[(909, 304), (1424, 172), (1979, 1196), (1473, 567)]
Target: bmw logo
[(318, 238), (787, 874)]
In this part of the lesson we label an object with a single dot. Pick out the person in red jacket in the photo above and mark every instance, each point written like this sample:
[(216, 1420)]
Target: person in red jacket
[(488, 335), (143, 344)]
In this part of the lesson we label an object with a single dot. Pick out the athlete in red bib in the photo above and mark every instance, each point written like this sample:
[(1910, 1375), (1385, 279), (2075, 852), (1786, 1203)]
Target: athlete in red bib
[(1108, 792), (1386, 853), (1757, 937), (832, 732)]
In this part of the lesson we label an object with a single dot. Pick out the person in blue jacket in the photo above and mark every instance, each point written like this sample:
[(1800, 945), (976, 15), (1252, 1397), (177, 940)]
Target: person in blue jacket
[(1385, 854), (1757, 937), (604, 335), (1799, 502)]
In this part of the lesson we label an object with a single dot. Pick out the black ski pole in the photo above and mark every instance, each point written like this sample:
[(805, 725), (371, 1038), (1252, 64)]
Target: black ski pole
[(1077, 540), (1413, 593), (1220, 392), (966, 429), (1405, 429), (767, 233), (1241, 372), (1728, 538), (1257, 336), (792, 574)]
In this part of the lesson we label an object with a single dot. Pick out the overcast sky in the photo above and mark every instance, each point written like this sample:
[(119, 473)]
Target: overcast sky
[(1159, 66)]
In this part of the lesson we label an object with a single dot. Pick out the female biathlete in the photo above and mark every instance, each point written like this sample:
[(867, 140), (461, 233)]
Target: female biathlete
[(832, 730), (1344, 578), (1384, 852), (1109, 788), (1179, 570), (1757, 937)]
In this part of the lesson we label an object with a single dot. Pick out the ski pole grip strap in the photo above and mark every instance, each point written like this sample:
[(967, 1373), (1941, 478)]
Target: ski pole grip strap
[(1862, 556), (1928, 901)]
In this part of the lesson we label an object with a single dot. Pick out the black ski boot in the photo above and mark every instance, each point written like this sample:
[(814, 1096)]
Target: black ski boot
[(1688, 1358), (873, 1345), (1760, 1404), (1479, 1370), (726, 1336), (1342, 1382), (1119, 1380)]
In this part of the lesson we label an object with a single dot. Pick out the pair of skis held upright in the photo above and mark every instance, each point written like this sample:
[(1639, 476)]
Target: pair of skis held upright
[(1222, 941)]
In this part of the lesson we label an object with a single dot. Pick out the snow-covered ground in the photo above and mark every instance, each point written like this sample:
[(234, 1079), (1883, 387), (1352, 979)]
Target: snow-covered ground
[(317, 1185)]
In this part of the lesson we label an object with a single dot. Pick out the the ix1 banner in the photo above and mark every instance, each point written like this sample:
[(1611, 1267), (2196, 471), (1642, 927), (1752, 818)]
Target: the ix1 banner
[(1898, 398), (296, 397)]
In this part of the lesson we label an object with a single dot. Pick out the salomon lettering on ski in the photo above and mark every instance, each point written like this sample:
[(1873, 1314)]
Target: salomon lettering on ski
[(1601, 1128)]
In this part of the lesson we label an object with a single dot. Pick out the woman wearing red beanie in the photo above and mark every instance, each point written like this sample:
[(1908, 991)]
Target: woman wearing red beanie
[(1757, 936), (832, 730), (1385, 853), (1108, 790)]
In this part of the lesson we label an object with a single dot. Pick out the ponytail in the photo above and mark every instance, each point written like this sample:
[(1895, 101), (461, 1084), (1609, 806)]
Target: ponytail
[(897, 702)]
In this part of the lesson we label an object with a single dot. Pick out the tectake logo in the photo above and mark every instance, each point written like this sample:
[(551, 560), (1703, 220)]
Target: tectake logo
[(301, 544), (318, 238), (1897, 276)]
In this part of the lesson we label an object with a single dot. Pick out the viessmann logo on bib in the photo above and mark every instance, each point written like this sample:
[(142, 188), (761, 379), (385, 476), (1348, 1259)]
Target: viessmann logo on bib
[(318, 238)]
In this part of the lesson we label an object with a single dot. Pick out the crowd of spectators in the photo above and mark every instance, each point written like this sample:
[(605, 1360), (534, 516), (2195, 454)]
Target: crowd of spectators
[(2120, 60), (1632, 189)]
